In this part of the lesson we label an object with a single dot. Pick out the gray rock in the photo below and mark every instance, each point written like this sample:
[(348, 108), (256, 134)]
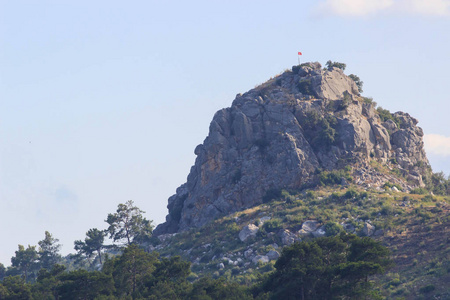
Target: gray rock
[(260, 259), (263, 220), (320, 232), (248, 231), (288, 238), (349, 227), (248, 253), (310, 225), (304, 233), (332, 84), (221, 266), (368, 229), (273, 255)]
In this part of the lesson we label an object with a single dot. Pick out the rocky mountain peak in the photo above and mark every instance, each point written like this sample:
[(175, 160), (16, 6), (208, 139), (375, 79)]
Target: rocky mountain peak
[(285, 133)]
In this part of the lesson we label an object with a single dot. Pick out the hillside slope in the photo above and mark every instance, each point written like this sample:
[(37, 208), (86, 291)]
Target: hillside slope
[(244, 245)]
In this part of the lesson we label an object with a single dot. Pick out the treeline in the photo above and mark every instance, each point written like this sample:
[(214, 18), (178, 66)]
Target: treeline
[(127, 226), (325, 268)]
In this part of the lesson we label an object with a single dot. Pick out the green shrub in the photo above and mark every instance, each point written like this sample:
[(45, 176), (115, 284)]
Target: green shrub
[(358, 82), (387, 115), (271, 194), (419, 191), (387, 210), (332, 229), (330, 64), (320, 131), (388, 185), (272, 225), (310, 195), (426, 289), (350, 194), (369, 100), (296, 68), (333, 177), (304, 87)]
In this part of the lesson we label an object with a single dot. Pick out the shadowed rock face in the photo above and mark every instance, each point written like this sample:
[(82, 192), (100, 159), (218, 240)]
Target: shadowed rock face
[(279, 134)]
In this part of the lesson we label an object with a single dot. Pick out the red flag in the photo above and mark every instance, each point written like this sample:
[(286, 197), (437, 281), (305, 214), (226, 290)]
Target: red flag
[(299, 53)]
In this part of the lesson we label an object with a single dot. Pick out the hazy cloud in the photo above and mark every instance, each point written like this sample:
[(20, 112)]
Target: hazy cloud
[(437, 144), (426, 7), (355, 8)]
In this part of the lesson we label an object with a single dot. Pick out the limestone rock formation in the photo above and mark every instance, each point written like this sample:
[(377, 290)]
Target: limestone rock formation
[(282, 134)]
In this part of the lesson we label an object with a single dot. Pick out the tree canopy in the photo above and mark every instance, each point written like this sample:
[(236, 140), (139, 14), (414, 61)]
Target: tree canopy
[(328, 268), (128, 226)]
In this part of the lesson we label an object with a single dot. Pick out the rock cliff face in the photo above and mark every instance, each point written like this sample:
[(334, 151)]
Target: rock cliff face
[(282, 134)]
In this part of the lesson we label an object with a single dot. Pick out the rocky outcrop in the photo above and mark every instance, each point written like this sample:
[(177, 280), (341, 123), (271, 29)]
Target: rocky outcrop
[(248, 231), (281, 134)]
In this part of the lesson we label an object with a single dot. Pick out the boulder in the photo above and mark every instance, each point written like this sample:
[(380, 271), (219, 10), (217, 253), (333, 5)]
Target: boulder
[(263, 220), (368, 229), (288, 238), (273, 255), (348, 227), (320, 232), (310, 225), (248, 231), (260, 259), (303, 232)]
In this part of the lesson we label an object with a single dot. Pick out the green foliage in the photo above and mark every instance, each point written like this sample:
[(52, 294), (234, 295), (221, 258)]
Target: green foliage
[(304, 87), (369, 100), (388, 185), (14, 288), (426, 289), (131, 270), (2, 271), (93, 243), (419, 191), (128, 226), (26, 261), (296, 68), (327, 268), (209, 289), (49, 251), (320, 131), (330, 64), (351, 194), (333, 177), (439, 185), (358, 82), (271, 194), (333, 228), (346, 101), (387, 115), (272, 225), (81, 284)]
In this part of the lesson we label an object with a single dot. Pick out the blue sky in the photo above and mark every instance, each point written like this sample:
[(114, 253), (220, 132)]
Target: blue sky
[(105, 101)]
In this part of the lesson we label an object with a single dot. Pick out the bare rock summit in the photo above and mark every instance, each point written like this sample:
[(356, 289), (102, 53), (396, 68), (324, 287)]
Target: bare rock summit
[(282, 134)]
